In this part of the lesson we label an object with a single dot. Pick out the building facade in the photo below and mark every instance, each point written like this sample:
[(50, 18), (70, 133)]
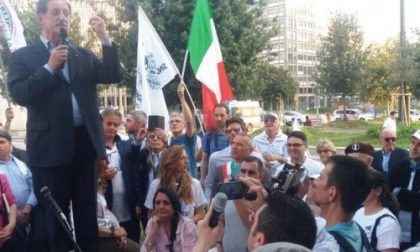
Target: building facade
[(294, 46)]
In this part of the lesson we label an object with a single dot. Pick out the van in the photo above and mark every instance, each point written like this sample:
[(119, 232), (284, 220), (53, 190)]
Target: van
[(249, 111)]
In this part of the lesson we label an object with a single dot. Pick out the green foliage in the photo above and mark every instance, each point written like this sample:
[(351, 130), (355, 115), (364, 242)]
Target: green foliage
[(403, 132), (242, 35), (380, 73), (416, 64), (29, 21), (341, 124), (341, 56), (270, 83)]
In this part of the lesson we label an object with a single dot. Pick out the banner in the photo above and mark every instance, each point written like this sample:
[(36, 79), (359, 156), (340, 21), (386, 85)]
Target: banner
[(11, 26), (155, 69)]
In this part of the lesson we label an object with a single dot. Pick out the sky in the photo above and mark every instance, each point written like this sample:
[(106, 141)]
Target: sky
[(379, 19)]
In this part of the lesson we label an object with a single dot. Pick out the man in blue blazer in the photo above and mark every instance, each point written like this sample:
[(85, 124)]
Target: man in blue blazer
[(56, 82), (389, 155)]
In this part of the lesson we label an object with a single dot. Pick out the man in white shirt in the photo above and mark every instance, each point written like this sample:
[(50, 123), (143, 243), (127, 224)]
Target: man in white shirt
[(271, 143), (391, 122), (296, 148)]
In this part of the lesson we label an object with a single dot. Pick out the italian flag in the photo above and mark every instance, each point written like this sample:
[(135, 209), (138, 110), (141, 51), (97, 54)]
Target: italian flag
[(206, 60)]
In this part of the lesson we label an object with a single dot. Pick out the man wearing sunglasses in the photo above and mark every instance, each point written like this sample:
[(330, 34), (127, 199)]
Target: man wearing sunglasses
[(389, 155), (404, 181)]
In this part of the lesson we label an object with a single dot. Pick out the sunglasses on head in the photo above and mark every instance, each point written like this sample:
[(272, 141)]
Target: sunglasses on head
[(389, 139)]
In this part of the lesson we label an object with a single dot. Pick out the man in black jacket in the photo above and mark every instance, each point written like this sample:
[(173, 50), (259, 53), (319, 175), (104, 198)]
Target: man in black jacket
[(389, 155), (56, 81), (404, 180)]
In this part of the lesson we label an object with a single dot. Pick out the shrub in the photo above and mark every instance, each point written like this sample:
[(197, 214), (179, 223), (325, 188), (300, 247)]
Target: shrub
[(374, 130)]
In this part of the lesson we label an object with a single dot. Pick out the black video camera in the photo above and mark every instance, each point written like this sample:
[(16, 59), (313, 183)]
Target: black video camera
[(287, 181)]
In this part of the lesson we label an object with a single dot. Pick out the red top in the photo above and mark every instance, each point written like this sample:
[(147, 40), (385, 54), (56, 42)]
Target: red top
[(7, 191)]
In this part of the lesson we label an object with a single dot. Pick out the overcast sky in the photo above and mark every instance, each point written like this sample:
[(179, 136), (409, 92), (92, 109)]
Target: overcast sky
[(379, 19)]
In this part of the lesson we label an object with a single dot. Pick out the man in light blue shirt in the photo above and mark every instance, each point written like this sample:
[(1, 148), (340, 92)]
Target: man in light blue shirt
[(20, 180)]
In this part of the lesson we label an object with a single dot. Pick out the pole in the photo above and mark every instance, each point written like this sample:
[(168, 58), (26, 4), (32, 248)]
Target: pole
[(3, 75), (188, 92), (402, 104)]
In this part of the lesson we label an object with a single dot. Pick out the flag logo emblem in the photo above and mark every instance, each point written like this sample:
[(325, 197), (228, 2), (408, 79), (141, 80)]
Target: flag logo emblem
[(153, 71)]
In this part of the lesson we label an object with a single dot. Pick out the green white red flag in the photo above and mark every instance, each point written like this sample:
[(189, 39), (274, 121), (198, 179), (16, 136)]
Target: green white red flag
[(206, 60)]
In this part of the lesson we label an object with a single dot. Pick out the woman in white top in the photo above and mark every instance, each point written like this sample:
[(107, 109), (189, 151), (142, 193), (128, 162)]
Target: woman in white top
[(377, 217), (173, 173)]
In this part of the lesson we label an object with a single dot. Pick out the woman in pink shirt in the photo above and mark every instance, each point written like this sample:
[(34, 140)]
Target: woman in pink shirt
[(167, 229)]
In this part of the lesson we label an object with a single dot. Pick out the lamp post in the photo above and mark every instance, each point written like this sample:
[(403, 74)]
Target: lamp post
[(402, 110)]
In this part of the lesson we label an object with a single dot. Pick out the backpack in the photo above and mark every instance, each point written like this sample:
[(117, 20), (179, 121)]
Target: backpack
[(374, 238), (343, 243)]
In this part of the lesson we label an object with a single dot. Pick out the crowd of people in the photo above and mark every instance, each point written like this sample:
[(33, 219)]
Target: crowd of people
[(110, 187), (364, 200)]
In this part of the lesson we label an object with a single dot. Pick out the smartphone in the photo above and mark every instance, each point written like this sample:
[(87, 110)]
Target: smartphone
[(234, 190), (155, 121)]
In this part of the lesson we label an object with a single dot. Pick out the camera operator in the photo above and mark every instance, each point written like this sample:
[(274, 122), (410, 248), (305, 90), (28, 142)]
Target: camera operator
[(296, 148), (281, 219), (237, 223)]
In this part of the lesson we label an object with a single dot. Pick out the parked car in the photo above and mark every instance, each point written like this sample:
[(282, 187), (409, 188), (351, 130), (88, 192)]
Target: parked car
[(414, 115), (352, 114), (289, 115)]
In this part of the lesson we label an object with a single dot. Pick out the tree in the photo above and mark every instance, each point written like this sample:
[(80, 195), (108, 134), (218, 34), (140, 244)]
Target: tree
[(416, 58), (340, 57), (380, 73), (242, 35)]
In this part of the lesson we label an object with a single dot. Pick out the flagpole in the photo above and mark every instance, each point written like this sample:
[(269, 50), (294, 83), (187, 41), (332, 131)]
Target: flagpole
[(188, 92), (3, 73)]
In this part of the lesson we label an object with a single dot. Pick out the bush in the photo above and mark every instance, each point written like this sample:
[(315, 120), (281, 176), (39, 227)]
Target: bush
[(374, 130), (355, 124)]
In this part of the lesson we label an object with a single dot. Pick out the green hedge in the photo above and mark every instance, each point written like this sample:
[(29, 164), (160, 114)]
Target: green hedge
[(374, 130)]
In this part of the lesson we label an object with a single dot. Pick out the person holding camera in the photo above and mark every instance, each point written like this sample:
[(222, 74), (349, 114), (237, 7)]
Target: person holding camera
[(279, 218), (237, 223), (296, 148)]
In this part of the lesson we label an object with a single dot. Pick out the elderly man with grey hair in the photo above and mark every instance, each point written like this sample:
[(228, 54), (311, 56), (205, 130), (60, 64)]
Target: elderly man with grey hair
[(183, 130), (389, 155)]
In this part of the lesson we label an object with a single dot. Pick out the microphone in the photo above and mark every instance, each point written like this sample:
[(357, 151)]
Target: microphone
[(219, 204), (46, 194), (62, 36)]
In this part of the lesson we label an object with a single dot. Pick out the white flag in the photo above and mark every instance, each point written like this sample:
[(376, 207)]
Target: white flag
[(155, 69), (11, 26)]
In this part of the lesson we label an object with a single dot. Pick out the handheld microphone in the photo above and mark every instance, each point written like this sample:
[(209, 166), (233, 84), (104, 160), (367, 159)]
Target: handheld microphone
[(219, 204), (46, 194), (62, 35)]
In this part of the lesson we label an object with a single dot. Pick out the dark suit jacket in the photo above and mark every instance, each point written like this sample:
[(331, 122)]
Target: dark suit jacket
[(50, 130), (399, 176), (129, 155), (397, 155)]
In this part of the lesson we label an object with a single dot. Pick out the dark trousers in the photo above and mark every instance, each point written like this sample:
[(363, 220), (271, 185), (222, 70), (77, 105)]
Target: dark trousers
[(75, 182), (132, 227)]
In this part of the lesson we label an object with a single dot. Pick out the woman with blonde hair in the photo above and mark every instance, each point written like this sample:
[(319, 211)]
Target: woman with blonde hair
[(173, 173), (325, 149)]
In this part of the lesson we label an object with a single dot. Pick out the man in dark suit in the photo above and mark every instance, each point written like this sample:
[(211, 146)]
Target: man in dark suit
[(404, 181), (390, 155), (56, 82)]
